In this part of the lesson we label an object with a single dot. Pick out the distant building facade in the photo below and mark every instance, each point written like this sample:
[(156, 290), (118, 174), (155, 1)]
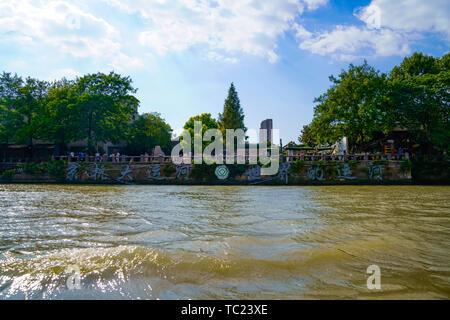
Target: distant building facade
[(268, 125)]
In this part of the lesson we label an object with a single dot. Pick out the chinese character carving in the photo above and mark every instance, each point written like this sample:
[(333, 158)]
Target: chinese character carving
[(284, 173), (344, 172), (72, 172), (254, 173), (154, 172), (183, 170), (99, 173), (125, 174), (315, 173)]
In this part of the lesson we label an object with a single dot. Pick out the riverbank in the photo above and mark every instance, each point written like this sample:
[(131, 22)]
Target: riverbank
[(351, 172)]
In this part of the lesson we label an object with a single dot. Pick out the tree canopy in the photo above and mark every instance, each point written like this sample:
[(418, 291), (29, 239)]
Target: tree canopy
[(148, 131), (307, 136), (107, 106), (208, 122), (232, 116), (419, 91), (93, 108), (353, 107), (363, 103)]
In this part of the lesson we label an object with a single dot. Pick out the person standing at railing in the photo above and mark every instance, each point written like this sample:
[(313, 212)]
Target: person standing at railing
[(400, 153)]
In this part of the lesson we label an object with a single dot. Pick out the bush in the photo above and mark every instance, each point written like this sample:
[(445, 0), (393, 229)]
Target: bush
[(168, 171), (31, 168), (331, 172), (203, 172), (8, 174), (406, 165), (56, 168), (297, 166), (237, 169)]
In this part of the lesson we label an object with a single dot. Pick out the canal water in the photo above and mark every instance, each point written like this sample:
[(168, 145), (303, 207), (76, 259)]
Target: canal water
[(234, 242)]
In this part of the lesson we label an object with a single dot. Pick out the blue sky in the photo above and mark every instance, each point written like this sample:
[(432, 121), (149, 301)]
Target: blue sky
[(183, 55)]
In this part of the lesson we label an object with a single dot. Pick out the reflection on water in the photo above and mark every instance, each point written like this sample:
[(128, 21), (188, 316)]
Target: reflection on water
[(172, 242)]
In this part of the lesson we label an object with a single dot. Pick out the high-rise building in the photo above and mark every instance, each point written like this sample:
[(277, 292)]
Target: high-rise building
[(268, 125)]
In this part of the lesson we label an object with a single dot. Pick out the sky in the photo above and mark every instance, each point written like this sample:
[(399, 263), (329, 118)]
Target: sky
[(183, 54)]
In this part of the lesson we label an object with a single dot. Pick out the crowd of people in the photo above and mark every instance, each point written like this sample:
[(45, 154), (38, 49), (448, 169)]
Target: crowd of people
[(113, 157)]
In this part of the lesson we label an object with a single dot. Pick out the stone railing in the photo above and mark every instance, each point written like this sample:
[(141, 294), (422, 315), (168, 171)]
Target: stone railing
[(246, 160)]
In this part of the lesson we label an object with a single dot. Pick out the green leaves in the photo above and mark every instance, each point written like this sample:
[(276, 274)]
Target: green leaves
[(233, 115), (208, 122), (419, 90), (96, 107), (148, 131), (106, 105), (351, 107), (362, 104), (22, 101)]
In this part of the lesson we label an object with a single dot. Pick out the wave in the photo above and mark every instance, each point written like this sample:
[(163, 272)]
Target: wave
[(134, 272)]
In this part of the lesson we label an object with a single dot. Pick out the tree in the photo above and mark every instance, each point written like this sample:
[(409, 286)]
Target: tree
[(208, 122), (60, 119), (354, 107), (107, 106), (10, 121), (307, 136), (416, 65), (10, 118), (29, 104), (233, 115), (148, 131), (419, 90)]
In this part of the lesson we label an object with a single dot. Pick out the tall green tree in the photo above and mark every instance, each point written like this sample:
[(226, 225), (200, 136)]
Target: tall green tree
[(307, 136), (148, 131), (107, 107), (60, 117), (232, 116), (419, 91), (416, 65), (354, 107), (10, 118), (208, 122), (10, 122), (29, 104)]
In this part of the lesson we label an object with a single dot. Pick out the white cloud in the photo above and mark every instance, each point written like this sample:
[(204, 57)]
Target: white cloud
[(301, 33), (219, 29), (67, 73), (223, 27), (345, 43), (61, 26), (410, 15), (314, 4), (57, 23), (390, 28)]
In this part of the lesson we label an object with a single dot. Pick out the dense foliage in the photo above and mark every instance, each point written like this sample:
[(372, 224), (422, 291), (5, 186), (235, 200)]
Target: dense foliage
[(148, 131), (232, 116), (208, 122), (363, 103), (93, 108)]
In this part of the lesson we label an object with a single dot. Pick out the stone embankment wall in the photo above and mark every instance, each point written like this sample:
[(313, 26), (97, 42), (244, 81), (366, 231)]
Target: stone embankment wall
[(296, 173)]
